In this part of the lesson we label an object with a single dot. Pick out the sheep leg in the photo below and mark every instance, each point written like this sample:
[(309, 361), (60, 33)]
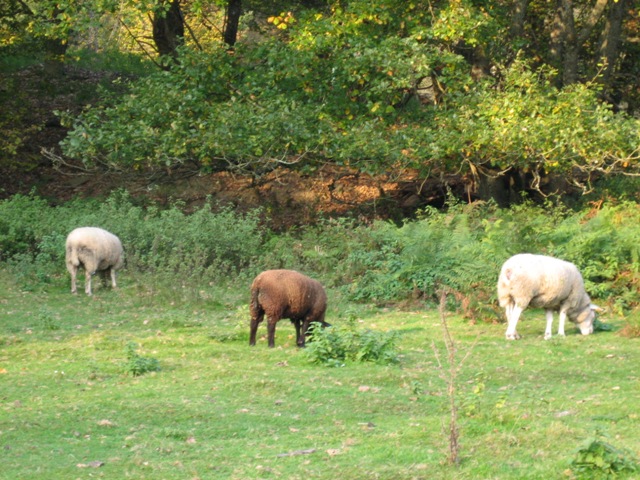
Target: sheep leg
[(298, 326), (74, 272), (256, 318), (561, 319), (305, 327), (112, 272), (547, 332), (513, 314), (271, 331), (87, 282)]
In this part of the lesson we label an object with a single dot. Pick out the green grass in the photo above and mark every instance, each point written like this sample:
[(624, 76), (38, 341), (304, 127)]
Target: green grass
[(220, 409)]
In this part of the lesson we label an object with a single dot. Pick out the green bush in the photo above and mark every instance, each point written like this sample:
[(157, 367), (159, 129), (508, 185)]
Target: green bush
[(138, 365), (461, 248), (599, 459), (207, 245), (335, 345)]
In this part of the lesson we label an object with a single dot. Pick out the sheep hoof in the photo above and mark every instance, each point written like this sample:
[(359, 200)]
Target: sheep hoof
[(514, 336), (547, 336)]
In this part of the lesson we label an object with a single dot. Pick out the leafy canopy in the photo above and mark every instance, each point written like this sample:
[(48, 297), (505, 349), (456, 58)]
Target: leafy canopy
[(339, 85)]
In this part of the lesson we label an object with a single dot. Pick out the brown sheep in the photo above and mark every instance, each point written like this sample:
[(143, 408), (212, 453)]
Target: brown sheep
[(286, 294)]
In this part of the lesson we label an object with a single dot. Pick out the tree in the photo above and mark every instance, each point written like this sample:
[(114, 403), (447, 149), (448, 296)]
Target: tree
[(343, 84), (231, 21), (582, 35), (168, 27)]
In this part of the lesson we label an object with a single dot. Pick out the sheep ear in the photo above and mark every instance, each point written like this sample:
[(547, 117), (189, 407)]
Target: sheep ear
[(596, 308)]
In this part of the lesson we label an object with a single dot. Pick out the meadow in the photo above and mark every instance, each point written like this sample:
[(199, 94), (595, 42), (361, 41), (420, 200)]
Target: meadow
[(72, 405), (156, 378)]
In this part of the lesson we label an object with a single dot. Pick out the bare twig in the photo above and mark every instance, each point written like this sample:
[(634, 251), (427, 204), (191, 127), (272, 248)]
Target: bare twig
[(137, 40), (60, 163), (449, 374)]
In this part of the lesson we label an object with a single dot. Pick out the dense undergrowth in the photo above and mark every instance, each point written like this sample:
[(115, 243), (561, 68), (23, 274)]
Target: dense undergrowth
[(460, 249)]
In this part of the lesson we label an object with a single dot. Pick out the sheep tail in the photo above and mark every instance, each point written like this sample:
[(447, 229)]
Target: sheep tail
[(507, 274), (254, 305), (72, 256)]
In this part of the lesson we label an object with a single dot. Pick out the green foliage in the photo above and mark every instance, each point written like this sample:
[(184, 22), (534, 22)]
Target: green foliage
[(47, 320), (206, 245), (291, 100), (337, 82), (335, 345), (13, 116), (599, 459), (110, 61), (530, 125), (461, 248), (339, 86), (138, 365), (24, 221)]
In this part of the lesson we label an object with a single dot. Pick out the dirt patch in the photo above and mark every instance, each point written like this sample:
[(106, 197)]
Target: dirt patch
[(288, 197)]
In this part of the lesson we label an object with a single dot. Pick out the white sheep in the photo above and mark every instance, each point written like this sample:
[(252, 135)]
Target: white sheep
[(96, 250), (544, 282)]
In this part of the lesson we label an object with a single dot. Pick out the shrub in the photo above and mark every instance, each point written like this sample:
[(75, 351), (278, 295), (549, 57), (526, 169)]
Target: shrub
[(206, 245), (333, 346), (137, 365), (599, 459)]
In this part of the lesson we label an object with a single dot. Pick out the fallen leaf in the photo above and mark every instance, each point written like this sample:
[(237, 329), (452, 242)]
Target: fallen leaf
[(105, 423), (363, 388), (94, 464), (297, 452), (564, 413), (332, 452)]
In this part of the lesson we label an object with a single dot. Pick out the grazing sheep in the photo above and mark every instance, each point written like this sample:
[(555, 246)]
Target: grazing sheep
[(544, 282), (95, 250), (286, 294)]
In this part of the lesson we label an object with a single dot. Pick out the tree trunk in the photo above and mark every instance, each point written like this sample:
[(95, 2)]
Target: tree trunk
[(168, 29), (610, 40), (570, 60), (566, 41), (556, 40), (232, 19), (519, 15), (55, 51)]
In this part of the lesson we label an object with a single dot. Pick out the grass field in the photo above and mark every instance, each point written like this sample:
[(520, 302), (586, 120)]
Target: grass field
[(70, 407)]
